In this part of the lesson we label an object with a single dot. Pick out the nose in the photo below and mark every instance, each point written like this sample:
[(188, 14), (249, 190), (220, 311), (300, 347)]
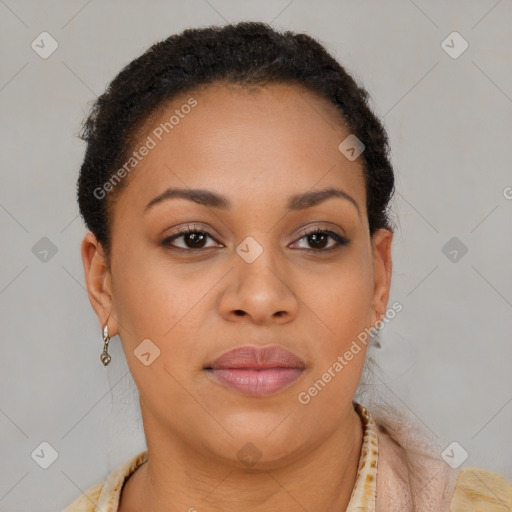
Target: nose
[(259, 292)]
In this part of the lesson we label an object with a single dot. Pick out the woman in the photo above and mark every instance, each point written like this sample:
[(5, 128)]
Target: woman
[(236, 187)]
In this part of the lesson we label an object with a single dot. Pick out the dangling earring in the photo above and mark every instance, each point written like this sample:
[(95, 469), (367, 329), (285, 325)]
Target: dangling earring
[(105, 357)]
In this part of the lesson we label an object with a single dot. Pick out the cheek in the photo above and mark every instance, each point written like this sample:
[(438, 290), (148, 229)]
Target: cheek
[(341, 303), (149, 299), (152, 304), (342, 318), (155, 301)]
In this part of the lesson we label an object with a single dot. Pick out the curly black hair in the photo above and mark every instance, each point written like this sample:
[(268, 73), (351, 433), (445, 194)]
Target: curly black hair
[(245, 53)]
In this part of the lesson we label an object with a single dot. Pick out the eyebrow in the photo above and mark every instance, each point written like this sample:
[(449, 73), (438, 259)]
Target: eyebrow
[(214, 200)]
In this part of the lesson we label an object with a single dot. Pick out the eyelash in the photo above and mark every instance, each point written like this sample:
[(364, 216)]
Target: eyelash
[(340, 240)]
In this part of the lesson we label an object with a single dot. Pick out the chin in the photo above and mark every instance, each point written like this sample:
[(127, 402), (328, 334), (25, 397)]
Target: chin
[(263, 443)]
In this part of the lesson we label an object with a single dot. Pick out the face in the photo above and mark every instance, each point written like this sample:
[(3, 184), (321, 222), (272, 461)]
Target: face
[(249, 273)]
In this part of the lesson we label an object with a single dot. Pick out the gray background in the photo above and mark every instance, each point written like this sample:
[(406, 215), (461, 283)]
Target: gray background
[(446, 357)]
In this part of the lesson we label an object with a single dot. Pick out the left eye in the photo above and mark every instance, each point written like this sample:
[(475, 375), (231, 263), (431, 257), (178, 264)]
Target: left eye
[(317, 238)]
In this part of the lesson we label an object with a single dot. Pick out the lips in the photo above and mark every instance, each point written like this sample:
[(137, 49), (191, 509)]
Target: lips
[(256, 371), (258, 358)]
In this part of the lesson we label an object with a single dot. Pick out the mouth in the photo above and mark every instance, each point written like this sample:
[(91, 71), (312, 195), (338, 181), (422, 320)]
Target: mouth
[(256, 371)]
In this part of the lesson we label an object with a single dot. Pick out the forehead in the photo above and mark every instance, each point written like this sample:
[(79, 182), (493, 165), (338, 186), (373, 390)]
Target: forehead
[(249, 143)]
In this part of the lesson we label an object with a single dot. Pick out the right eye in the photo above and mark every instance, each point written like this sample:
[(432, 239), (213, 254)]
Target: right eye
[(193, 238)]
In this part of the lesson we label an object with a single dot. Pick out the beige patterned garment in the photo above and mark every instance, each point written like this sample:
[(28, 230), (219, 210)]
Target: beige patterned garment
[(364, 493), (476, 490)]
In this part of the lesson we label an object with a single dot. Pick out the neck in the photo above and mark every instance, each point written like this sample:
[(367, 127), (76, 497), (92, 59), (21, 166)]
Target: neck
[(174, 479)]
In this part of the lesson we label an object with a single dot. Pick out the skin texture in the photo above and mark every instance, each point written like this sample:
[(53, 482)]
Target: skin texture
[(257, 146)]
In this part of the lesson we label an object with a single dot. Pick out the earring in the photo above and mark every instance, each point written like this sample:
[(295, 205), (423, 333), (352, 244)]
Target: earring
[(105, 357)]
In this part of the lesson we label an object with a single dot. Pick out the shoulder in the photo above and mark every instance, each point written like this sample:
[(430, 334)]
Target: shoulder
[(413, 476), (427, 483), (480, 490), (88, 500), (105, 494), (411, 479)]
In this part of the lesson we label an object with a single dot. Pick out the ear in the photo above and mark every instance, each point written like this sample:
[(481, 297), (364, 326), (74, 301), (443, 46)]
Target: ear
[(99, 283), (382, 266)]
